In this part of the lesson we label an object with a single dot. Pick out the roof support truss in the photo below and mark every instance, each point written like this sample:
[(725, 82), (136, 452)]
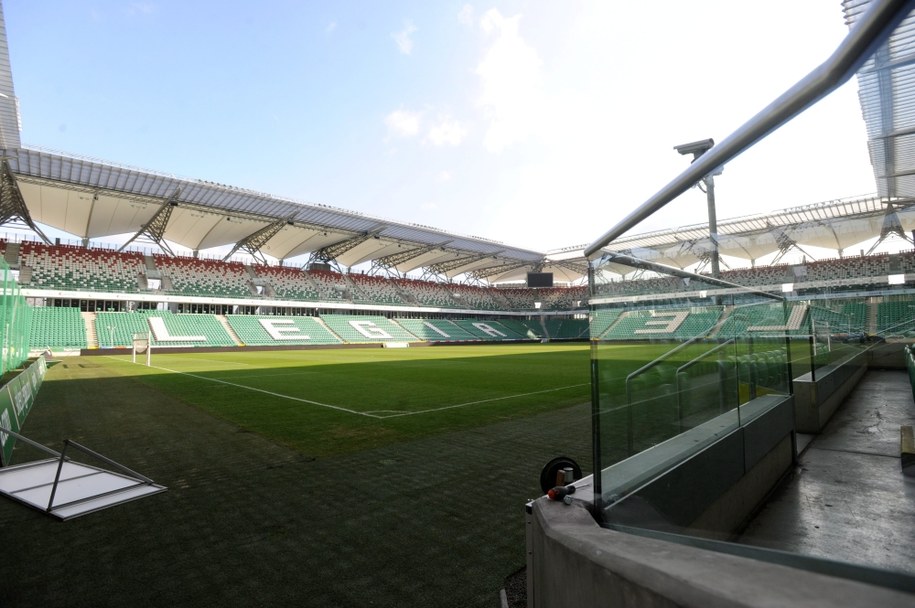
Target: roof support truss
[(785, 244), (253, 242), (892, 225), (446, 267), (12, 205), (396, 259), (485, 273), (330, 253), (579, 268), (154, 229)]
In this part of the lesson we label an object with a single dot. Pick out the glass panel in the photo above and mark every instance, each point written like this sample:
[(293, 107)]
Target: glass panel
[(693, 381), (678, 362)]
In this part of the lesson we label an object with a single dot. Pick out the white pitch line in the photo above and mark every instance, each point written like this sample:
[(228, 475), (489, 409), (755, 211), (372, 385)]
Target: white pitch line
[(206, 360), (296, 373), (370, 414), (481, 401), (271, 393)]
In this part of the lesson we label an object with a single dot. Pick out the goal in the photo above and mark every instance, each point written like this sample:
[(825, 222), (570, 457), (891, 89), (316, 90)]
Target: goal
[(142, 346)]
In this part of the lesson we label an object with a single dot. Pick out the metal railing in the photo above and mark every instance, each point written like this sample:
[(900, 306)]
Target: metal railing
[(872, 30)]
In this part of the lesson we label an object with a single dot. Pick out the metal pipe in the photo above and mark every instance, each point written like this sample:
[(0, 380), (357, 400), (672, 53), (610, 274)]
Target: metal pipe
[(872, 30), (109, 461)]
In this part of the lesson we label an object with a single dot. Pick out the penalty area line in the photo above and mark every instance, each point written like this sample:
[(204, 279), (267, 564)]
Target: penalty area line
[(479, 402), (271, 393)]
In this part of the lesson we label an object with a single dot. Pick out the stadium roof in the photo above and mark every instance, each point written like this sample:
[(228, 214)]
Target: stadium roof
[(96, 200), (93, 199), (834, 225), (888, 105)]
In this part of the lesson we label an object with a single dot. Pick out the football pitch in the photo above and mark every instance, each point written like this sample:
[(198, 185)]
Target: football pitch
[(338, 477), (325, 477), (328, 401)]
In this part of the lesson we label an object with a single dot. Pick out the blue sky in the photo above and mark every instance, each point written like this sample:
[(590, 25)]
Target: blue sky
[(536, 123)]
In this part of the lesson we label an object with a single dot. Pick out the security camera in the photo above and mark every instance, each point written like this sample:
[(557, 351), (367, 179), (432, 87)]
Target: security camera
[(696, 148)]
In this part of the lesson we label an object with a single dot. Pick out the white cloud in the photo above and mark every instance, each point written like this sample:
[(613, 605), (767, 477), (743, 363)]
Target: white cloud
[(403, 123), (511, 83), (403, 38), (141, 8), (447, 132), (445, 175), (466, 14), (330, 28)]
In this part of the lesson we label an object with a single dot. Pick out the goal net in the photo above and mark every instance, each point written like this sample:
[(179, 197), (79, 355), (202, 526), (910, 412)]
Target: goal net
[(822, 337), (142, 346)]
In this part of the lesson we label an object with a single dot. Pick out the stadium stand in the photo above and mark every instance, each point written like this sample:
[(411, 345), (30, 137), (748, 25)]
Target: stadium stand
[(190, 276), (758, 277), (43, 266), (602, 320), (763, 318), (57, 328), (478, 298), (287, 283), (520, 328), (367, 328), (521, 299), (369, 289), (166, 329), (896, 316), (437, 330), (69, 267), (565, 329), (641, 324), (116, 329), (259, 330), (565, 298), (488, 330), (838, 321), (427, 293), (551, 298)]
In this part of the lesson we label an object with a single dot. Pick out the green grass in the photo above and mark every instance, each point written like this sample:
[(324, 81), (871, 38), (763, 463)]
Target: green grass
[(338, 477), (341, 400), (411, 496)]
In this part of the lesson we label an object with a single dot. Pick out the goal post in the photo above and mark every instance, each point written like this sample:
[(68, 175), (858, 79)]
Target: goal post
[(142, 346), (822, 337)]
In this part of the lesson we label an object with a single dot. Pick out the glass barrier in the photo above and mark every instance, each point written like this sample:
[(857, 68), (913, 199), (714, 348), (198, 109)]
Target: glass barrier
[(693, 386), (833, 336), (675, 364)]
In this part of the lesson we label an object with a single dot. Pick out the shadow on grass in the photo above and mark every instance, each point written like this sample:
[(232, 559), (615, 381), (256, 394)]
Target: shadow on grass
[(427, 521)]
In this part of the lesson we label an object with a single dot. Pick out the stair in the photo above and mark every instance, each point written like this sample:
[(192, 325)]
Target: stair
[(91, 333), (11, 255), (872, 307), (224, 321)]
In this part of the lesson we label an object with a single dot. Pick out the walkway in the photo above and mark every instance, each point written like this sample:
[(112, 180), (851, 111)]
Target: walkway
[(848, 499)]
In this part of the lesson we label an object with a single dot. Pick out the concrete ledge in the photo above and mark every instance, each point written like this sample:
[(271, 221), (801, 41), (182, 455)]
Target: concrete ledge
[(817, 400), (708, 480), (575, 562)]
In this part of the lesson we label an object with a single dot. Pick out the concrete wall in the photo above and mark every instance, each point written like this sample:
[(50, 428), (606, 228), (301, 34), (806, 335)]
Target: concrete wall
[(888, 355), (816, 400), (711, 492), (574, 562)]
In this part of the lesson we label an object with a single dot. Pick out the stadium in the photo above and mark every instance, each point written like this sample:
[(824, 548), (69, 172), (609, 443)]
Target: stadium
[(250, 400)]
